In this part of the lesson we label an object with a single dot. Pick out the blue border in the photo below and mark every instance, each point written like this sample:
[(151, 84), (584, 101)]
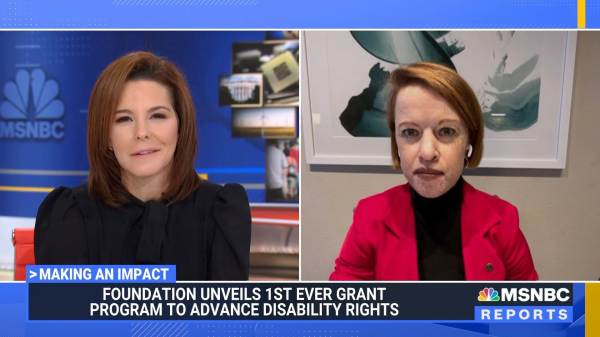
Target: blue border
[(276, 14)]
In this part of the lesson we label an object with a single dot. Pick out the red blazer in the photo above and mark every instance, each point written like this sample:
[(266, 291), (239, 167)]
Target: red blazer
[(381, 243)]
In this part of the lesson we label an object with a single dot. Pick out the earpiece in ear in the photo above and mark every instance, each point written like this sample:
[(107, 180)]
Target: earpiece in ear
[(469, 151)]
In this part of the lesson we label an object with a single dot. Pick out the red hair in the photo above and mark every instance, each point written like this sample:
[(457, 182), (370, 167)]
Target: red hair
[(105, 172)]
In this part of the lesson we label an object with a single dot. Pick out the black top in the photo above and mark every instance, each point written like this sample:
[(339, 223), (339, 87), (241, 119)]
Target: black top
[(439, 244), (206, 235)]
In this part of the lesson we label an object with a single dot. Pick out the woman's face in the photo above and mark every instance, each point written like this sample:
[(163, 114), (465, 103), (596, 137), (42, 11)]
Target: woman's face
[(432, 141), (143, 134)]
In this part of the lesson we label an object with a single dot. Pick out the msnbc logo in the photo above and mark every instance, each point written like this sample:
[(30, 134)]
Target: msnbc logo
[(488, 295), (31, 109)]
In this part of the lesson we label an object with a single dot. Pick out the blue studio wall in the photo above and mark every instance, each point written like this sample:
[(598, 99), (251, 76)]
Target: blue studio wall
[(42, 142)]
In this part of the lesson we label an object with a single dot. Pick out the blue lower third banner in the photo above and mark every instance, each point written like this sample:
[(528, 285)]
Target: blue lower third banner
[(291, 308), (452, 302)]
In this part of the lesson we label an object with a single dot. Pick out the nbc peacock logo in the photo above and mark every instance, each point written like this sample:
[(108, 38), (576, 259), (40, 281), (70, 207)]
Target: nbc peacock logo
[(488, 295), (31, 108)]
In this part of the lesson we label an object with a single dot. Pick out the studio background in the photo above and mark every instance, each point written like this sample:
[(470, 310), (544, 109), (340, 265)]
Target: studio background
[(559, 209), (32, 165)]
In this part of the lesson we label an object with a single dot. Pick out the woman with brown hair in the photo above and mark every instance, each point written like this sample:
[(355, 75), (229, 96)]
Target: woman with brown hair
[(143, 202), (437, 226)]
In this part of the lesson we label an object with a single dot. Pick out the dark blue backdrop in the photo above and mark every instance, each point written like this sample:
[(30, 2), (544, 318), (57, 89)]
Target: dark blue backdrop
[(74, 60)]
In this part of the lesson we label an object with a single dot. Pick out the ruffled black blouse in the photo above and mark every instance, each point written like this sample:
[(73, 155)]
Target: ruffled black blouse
[(206, 235)]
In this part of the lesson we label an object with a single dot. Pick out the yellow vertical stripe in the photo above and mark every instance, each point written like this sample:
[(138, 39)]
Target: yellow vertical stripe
[(581, 14), (592, 309)]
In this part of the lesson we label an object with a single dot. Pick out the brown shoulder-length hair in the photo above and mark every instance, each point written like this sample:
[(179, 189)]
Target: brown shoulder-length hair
[(446, 83), (104, 179)]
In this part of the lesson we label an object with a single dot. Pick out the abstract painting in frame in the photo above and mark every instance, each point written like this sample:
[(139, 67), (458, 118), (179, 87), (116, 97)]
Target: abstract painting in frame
[(523, 81)]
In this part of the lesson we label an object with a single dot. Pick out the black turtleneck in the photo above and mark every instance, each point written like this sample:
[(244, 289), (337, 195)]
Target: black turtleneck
[(439, 245)]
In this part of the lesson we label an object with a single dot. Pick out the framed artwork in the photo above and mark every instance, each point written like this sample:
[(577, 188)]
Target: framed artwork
[(282, 177), (241, 90), (264, 122), (248, 57), (522, 79), (277, 60), (281, 72)]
